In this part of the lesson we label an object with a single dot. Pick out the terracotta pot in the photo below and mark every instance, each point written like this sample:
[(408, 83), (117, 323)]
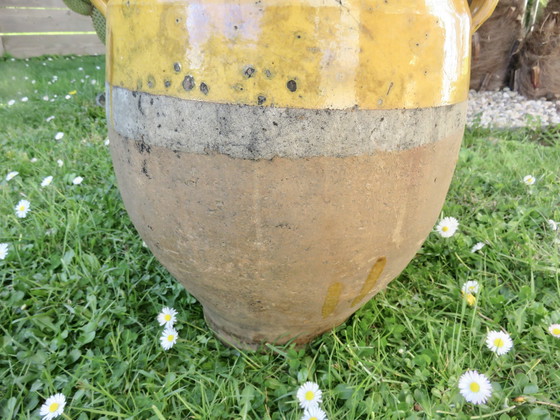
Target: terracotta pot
[(286, 159)]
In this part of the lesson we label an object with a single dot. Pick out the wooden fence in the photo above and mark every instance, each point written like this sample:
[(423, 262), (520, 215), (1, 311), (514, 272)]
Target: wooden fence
[(29, 28)]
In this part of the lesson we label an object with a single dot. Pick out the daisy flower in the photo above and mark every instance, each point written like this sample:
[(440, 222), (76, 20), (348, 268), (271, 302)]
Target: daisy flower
[(309, 395), (470, 286), (499, 342), (49, 119), (552, 224), (478, 246), (78, 180), (59, 135), (447, 227), (22, 208), (3, 251), (33, 160), (60, 163), (11, 175), (554, 329), (67, 97), (24, 99), (475, 387), (107, 142), (11, 102), (168, 338), (167, 317), (53, 407), (46, 181), (529, 179), (314, 413)]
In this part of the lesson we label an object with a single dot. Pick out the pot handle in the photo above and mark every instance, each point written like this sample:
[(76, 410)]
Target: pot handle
[(101, 5), (480, 11)]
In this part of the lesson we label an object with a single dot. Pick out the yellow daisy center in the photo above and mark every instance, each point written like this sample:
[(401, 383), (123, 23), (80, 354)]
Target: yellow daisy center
[(471, 300), (309, 395), (556, 331), (445, 228), (53, 407), (474, 387), (313, 418), (498, 342), (22, 208), (167, 317), (170, 337)]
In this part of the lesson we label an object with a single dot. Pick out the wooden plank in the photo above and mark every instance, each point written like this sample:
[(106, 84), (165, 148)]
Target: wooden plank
[(31, 20), (2, 50), (32, 3), (36, 45)]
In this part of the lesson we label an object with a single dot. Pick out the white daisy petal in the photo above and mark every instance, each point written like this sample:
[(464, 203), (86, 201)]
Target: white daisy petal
[(59, 135), (3, 251), (167, 317), (60, 163), (499, 342), (552, 224), (478, 246), (447, 227), (22, 208), (78, 180), (470, 286), (554, 329), (53, 407), (314, 413), (475, 387), (309, 395), (11, 175), (168, 338), (46, 181)]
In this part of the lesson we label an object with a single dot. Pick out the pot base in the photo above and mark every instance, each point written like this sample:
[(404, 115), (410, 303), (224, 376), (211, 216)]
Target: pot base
[(239, 341)]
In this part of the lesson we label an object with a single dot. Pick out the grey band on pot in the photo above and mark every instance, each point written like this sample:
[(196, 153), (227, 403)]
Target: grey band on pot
[(255, 132)]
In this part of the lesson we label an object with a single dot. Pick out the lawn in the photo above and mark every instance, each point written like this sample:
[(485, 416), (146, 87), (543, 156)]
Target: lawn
[(80, 293)]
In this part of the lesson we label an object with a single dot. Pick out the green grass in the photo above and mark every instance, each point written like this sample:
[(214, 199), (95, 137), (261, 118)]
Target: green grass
[(79, 293)]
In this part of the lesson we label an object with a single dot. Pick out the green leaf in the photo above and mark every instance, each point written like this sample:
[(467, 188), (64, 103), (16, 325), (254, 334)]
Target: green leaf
[(530, 389)]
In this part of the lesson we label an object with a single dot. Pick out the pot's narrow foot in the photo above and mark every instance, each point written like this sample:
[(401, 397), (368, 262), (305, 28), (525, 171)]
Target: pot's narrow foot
[(228, 338), (250, 339)]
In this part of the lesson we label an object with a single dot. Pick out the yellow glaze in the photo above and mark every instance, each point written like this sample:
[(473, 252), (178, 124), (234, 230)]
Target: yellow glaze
[(316, 54)]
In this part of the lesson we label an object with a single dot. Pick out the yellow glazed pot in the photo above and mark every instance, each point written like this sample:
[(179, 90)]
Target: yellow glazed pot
[(285, 159)]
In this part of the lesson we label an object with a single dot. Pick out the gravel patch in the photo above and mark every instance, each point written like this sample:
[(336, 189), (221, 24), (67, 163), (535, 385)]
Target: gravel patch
[(508, 109)]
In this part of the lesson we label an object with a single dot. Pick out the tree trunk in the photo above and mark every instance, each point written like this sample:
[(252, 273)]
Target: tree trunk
[(538, 75), (495, 43)]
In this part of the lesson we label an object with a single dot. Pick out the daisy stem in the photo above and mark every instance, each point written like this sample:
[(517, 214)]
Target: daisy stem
[(548, 404)]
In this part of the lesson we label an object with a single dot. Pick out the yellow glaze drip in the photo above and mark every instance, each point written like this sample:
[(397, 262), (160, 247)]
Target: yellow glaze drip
[(331, 301), (316, 54), (371, 280)]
